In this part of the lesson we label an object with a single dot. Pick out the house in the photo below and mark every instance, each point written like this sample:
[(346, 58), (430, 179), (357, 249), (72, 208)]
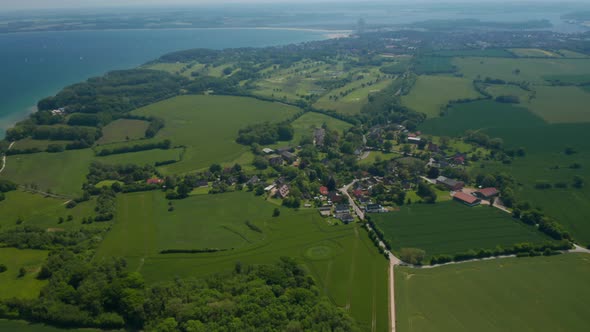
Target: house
[(451, 184), (155, 181), (268, 150), (374, 208), (334, 197), (414, 140), (253, 180), (324, 190), (288, 156), (345, 217), (459, 158), (325, 211), (433, 147), (319, 135), (283, 191), (342, 208), (275, 160), (487, 193), (466, 199), (269, 188)]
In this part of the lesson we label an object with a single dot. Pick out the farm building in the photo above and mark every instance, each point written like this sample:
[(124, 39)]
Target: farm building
[(288, 156), (487, 193), (414, 140), (450, 183), (466, 199), (325, 211), (268, 150), (155, 181)]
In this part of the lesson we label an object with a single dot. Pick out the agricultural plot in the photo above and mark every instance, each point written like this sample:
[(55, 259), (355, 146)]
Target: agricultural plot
[(515, 294), (148, 157), (23, 287), (29, 143), (561, 104), (338, 257), (510, 90), (122, 130), (431, 93), (518, 70), (62, 173), (434, 65), (451, 228), (208, 126), (533, 53), (304, 126), (40, 211), (496, 53)]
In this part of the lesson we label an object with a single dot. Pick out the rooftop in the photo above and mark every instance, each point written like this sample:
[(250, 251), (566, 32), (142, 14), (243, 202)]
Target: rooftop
[(465, 197)]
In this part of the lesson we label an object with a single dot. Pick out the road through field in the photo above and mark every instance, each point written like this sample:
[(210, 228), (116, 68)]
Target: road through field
[(4, 158)]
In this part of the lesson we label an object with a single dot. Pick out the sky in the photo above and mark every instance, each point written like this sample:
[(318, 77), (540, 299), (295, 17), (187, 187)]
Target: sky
[(74, 4)]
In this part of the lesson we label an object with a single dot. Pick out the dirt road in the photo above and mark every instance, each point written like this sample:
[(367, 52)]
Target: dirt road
[(4, 158)]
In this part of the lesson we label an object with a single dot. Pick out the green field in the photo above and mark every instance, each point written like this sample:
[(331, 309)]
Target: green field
[(531, 70), (304, 126), (208, 126), (510, 90), (451, 227), (148, 157), (514, 294), (430, 93), (433, 65), (123, 130), (561, 104), (37, 210), (29, 143), (500, 53), (533, 53), (63, 173), (11, 285), (339, 257)]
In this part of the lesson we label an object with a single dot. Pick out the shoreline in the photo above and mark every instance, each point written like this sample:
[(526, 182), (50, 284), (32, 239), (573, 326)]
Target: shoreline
[(328, 33)]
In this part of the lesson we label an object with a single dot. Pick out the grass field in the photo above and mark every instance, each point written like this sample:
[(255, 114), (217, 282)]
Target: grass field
[(63, 173), (433, 65), (37, 210), (29, 143), (510, 90), (500, 53), (430, 93), (208, 126), (561, 104), (531, 70), (374, 155), (148, 157), (533, 53), (514, 294), (11, 285), (305, 125), (123, 130), (340, 258), (450, 228)]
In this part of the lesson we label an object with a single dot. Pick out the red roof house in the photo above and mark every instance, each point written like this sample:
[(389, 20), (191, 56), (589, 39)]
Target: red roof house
[(155, 181), (487, 192), (324, 191), (466, 198)]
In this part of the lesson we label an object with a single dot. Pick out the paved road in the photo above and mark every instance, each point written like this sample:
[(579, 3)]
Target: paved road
[(357, 210), (4, 158)]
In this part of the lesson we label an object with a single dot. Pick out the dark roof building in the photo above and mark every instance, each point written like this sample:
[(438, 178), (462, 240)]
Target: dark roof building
[(288, 156), (450, 183), (487, 193), (341, 208), (466, 199), (345, 217)]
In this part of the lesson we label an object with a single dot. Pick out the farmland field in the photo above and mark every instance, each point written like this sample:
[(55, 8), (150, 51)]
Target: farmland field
[(561, 104), (339, 257), (514, 294), (148, 157), (208, 126), (450, 228), (29, 143), (533, 53), (63, 173), (305, 125), (123, 130), (430, 93), (28, 286)]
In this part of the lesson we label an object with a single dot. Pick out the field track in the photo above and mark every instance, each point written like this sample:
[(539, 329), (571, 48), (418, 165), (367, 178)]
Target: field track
[(4, 158)]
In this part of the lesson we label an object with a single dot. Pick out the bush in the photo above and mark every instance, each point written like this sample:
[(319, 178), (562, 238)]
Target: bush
[(413, 256), (3, 268)]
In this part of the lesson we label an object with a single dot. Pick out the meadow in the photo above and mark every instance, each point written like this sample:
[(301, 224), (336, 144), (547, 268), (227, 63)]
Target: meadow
[(531, 69), (339, 257), (431, 93), (561, 104), (433, 65), (148, 157), (62, 173), (28, 286), (514, 294), (533, 53), (208, 126), (122, 130), (304, 126), (451, 228)]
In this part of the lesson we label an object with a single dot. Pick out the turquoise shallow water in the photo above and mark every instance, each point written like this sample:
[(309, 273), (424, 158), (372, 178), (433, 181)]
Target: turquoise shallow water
[(36, 65)]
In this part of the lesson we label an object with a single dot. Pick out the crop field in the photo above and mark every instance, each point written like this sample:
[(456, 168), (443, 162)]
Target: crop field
[(433, 65), (29, 143), (533, 53), (497, 53), (561, 104), (208, 126), (451, 227), (122, 130), (510, 90), (148, 157), (430, 93), (37, 210), (62, 173), (339, 257), (572, 54), (28, 286), (305, 125), (514, 294)]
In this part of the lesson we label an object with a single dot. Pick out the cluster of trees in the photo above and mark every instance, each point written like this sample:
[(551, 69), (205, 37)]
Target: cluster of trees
[(81, 293), (164, 145), (32, 237), (128, 173), (481, 139), (426, 192), (6, 186), (265, 133), (105, 205)]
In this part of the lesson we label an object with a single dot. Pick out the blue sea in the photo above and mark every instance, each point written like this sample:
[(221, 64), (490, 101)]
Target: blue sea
[(36, 65)]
